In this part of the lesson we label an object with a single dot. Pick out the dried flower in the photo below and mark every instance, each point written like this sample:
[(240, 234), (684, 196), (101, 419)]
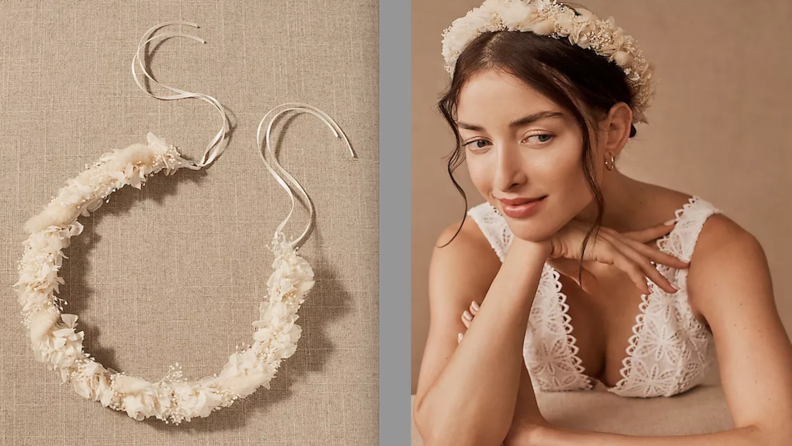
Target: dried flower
[(549, 18), (56, 342)]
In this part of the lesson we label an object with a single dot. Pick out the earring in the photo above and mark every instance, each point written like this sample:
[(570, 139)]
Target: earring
[(612, 163)]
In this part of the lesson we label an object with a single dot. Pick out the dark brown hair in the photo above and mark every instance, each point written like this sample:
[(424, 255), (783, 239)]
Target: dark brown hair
[(579, 80)]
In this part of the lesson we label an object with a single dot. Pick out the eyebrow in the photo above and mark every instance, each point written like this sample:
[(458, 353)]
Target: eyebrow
[(517, 122)]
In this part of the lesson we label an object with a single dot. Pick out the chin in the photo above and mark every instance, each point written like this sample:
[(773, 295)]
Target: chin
[(533, 231), (535, 228)]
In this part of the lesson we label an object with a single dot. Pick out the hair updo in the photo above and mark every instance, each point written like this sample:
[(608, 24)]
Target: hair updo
[(580, 81)]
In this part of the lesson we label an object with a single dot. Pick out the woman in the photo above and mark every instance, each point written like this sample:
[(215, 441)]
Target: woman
[(543, 98)]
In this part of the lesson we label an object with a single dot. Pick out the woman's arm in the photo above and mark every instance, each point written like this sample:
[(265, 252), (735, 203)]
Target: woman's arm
[(729, 282), (467, 391), (526, 412)]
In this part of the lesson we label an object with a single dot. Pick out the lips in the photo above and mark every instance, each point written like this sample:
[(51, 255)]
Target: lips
[(521, 207), (518, 201)]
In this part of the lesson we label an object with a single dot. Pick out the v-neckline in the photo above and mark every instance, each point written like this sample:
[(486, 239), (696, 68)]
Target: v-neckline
[(566, 320)]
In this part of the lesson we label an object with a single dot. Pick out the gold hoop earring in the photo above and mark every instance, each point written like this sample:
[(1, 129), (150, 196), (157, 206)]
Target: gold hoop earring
[(612, 163)]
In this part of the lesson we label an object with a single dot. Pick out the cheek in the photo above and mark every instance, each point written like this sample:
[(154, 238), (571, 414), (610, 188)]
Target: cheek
[(481, 176), (568, 178), (559, 175), (565, 176)]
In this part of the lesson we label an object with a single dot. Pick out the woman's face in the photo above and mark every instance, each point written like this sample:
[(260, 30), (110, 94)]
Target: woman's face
[(520, 145)]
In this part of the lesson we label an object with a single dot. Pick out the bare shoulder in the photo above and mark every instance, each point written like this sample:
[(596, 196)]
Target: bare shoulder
[(720, 234), (468, 239), (718, 229), (464, 266), (726, 246), (724, 250)]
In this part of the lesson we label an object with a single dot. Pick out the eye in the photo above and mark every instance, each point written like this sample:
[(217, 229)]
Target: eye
[(542, 138), (476, 145)]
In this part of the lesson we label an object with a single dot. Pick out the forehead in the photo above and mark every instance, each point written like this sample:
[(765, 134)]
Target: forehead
[(492, 94)]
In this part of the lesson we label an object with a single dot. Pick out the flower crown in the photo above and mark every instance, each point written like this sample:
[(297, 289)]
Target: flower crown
[(549, 18)]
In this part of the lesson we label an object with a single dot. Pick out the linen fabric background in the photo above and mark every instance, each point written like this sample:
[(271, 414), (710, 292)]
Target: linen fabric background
[(176, 272)]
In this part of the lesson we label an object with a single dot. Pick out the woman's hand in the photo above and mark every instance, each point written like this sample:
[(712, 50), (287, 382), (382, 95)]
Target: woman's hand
[(627, 251), (467, 317)]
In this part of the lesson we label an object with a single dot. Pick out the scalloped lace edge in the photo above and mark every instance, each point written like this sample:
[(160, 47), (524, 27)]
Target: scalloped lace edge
[(479, 215), (644, 305), (572, 348)]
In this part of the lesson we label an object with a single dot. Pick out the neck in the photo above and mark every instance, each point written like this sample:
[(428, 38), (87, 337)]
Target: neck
[(624, 203)]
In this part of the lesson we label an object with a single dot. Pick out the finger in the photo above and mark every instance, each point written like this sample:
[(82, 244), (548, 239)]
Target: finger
[(650, 252), (571, 269), (648, 270), (646, 267), (656, 255), (590, 282), (649, 234), (474, 307), (567, 267), (609, 254), (651, 272), (467, 318)]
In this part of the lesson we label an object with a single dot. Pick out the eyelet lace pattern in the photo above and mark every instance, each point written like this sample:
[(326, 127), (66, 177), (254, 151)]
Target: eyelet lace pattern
[(669, 352)]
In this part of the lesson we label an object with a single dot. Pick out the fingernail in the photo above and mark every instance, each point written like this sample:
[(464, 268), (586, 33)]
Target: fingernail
[(459, 337), (670, 222), (674, 286), (467, 315), (475, 305)]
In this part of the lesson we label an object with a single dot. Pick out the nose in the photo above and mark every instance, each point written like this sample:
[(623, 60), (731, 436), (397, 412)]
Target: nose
[(509, 172)]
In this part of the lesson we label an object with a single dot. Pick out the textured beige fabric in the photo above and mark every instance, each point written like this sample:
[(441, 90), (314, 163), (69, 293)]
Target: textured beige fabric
[(175, 272)]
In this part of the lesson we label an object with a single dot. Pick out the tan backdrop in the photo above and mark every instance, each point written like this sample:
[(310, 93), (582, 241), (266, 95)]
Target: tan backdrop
[(176, 272), (719, 123)]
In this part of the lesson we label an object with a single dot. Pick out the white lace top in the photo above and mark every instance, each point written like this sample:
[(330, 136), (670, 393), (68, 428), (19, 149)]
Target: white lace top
[(669, 352)]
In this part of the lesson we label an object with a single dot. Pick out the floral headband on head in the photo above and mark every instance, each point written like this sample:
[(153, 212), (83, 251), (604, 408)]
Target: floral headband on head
[(549, 18)]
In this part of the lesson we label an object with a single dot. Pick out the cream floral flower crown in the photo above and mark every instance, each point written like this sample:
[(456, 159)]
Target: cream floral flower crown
[(53, 334), (549, 18)]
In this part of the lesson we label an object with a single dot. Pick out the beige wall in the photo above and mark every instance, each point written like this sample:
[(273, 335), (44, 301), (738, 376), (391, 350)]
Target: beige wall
[(719, 123)]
